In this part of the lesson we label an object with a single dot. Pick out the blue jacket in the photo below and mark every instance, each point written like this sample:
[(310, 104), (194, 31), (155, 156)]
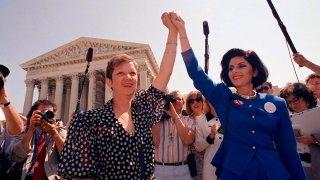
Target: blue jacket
[(257, 128)]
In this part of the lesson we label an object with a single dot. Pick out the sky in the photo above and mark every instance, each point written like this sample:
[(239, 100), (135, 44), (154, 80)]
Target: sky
[(31, 28)]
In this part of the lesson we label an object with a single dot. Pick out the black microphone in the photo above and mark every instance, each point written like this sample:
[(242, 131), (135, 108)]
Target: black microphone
[(206, 53), (89, 59), (205, 28), (89, 55)]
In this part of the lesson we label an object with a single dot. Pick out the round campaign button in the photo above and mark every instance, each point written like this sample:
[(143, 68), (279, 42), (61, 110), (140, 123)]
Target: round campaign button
[(270, 107)]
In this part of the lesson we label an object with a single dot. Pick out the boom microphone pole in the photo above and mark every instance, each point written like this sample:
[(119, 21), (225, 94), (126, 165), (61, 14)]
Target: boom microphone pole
[(282, 27), (206, 53), (89, 59)]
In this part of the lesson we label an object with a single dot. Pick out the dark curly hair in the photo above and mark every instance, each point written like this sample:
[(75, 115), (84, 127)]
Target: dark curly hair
[(252, 58), (299, 90), (35, 107)]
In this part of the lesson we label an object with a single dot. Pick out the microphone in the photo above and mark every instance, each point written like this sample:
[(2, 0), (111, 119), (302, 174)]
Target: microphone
[(89, 55), (205, 28), (89, 58), (206, 53)]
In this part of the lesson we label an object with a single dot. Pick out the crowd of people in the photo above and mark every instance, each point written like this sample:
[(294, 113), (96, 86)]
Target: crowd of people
[(214, 132)]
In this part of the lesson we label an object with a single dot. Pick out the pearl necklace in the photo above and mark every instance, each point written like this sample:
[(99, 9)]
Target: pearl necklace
[(248, 97)]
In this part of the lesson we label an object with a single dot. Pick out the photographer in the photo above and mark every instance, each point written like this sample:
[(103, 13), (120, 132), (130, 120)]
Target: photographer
[(172, 138), (42, 143), (14, 125), (10, 128)]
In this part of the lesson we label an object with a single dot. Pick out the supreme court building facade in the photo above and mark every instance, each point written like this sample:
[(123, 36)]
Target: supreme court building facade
[(58, 74)]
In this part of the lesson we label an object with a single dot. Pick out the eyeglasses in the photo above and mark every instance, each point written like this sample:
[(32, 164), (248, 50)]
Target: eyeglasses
[(263, 88), (293, 101), (198, 99)]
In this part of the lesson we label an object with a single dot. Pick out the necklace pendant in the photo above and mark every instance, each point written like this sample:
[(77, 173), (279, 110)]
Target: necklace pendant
[(171, 137), (131, 134)]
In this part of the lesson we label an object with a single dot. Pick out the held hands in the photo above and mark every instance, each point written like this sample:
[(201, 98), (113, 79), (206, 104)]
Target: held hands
[(176, 20), (166, 20), (173, 21)]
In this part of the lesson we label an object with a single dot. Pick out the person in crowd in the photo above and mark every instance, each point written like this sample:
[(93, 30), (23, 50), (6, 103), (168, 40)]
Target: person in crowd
[(173, 136), (195, 107), (301, 60), (300, 98), (39, 148), (313, 83), (265, 87), (258, 142), (10, 128), (14, 125), (115, 141), (207, 138)]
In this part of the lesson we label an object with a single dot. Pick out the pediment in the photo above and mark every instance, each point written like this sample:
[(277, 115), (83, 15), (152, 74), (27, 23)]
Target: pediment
[(76, 51)]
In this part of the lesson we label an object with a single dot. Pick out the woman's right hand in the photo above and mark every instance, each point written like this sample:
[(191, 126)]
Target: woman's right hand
[(177, 21)]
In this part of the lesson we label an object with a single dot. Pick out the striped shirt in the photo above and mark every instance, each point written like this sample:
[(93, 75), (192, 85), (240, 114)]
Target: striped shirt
[(171, 149)]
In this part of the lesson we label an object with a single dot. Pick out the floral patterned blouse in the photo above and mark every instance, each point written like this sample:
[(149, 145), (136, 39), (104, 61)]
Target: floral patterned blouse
[(97, 146)]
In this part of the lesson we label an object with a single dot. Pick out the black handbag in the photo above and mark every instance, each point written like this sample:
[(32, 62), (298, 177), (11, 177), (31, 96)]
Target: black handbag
[(191, 159)]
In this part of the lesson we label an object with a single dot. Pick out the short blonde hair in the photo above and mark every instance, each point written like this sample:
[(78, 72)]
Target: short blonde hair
[(116, 61)]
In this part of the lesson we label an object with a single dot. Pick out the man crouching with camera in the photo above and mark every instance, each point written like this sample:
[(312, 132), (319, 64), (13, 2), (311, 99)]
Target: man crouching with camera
[(41, 145)]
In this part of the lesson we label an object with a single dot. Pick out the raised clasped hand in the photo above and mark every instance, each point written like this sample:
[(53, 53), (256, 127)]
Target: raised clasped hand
[(166, 20)]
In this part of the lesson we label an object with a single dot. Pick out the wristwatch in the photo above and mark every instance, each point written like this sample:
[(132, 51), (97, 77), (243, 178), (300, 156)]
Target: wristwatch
[(5, 104)]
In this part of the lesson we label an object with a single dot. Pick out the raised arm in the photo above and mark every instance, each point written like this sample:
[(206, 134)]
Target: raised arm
[(169, 54), (14, 124), (180, 25), (301, 60)]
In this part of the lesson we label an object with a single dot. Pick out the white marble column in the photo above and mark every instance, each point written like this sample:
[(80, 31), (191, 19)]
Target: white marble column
[(91, 90), (29, 96), (58, 95), (143, 75), (74, 93), (66, 102), (44, 89)]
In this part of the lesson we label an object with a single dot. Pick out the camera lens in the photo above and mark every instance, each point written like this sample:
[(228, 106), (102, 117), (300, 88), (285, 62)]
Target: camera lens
[(49, 114)]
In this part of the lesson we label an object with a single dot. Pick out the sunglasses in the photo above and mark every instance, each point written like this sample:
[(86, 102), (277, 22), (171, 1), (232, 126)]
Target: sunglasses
[(263, 88), (293, 101), (198, 99)]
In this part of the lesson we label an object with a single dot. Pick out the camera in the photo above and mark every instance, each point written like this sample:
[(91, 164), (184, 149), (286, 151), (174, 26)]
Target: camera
[(4, 72), (168, 98), (47, 116)]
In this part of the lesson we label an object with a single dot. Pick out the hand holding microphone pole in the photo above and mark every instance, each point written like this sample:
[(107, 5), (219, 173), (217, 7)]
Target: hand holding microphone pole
[(206, 53), (89, 59)]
